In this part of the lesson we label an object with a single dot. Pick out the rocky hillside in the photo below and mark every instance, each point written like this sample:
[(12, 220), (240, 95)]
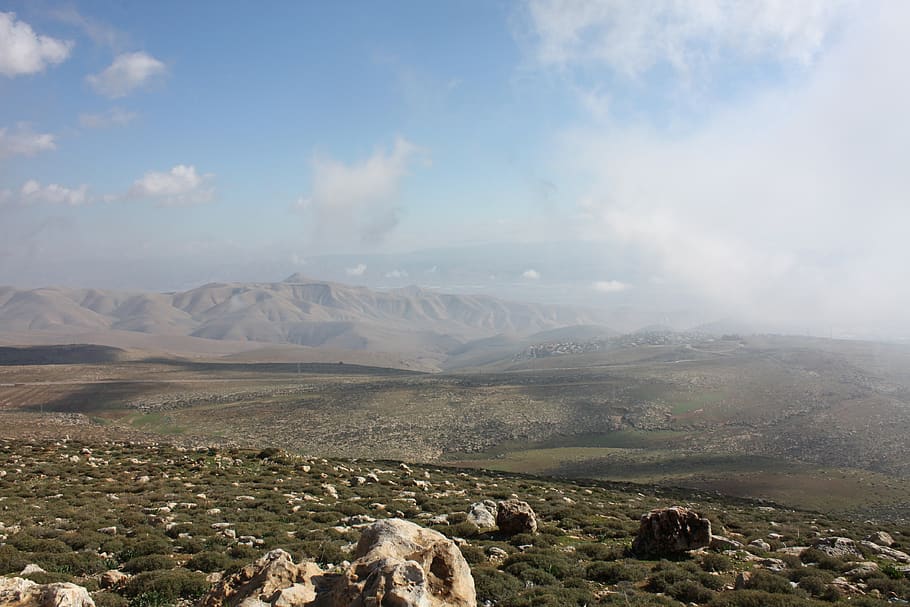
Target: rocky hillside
[(152, 525)]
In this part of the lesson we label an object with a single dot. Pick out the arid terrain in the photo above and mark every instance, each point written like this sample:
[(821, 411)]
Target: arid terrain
[(807, 422)]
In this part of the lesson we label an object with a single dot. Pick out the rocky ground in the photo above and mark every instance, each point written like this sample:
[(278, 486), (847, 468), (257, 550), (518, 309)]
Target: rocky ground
[(151, 525)]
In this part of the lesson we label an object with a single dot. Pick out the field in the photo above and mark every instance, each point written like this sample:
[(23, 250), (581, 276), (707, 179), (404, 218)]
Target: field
[(810, 423)]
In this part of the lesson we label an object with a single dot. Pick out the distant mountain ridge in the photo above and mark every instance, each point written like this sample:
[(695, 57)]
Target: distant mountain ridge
[(296, 311)]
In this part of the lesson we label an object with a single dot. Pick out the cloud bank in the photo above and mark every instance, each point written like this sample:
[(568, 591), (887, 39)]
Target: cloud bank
[(790, 208)]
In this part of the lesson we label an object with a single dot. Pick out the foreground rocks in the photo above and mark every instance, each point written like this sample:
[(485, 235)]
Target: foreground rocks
[(670, 532), (397, 563), (515, 516), (19, 592), (402, 564)]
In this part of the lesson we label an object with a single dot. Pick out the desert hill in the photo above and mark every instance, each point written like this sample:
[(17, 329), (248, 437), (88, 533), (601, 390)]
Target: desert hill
[(414, 322)]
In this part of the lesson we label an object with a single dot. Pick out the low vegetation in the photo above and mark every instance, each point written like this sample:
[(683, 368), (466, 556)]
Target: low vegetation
[(174, 520)]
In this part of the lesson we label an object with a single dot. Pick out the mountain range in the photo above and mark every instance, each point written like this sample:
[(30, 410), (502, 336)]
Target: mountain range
[(413, 322)]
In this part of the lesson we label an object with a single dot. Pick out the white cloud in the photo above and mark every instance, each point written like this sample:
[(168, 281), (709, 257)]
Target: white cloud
[(531, 274), (128, 72), (609, 286), (633, 36), (182, 185), (358, 197), (24, 142), (22, 51), (113, 117), (790, 208), (357, 270), (32, 192), (396, 274)]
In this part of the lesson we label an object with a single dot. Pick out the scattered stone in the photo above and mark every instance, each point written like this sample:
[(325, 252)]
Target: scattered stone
[(862, 570), (272, 579), (397, 563), (483, 514), (402, 564), (108, 530), (671, 531), (515, 516), (888, 553), (30, 569), (19, 592), (720, 543), (836, 546), (882, 538), (761, 545), (112, 578), (742, 580)]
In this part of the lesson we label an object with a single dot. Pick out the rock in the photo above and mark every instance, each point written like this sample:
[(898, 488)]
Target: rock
[(18, 592), (273, 578), (515, 516), (401, 564), (888, 553), (483, 514), (671, 531), (720, 543), (112, 578), (108, 530), (775, 565), (836, 546), (882, 538), (497, 554), (792, 550), (30, 569), (761, 545), (742, 580), (862, 570)]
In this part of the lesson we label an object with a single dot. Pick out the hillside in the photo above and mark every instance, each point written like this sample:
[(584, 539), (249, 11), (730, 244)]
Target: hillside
[(145, 525), (411, 322)]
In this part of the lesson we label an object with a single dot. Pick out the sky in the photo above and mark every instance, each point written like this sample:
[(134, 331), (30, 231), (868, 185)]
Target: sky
[(696, 158)]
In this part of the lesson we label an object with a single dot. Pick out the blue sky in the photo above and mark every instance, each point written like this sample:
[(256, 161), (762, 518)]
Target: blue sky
[(737, 152)]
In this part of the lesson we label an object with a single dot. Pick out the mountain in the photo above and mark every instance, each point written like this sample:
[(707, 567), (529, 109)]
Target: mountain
[(298, 311)]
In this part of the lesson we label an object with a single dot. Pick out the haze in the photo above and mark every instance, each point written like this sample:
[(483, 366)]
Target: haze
[(691, 161)]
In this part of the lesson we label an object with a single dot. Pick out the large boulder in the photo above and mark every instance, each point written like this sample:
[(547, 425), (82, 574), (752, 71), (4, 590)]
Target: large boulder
[(272, 580), (19, 592), (483, 514), (670, 532), (837, 546), (400, 564), (515, 516)]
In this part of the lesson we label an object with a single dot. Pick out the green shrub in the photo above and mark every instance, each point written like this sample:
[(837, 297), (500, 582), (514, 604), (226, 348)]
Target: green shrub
[(11, 560), (167, 585), (716, 562), (109, 599), (474, 555), (758, 598), (209, 561), (149, 562), (146, 547), (43, 577), (613, 572), (494, 586), (769, 582), (690, 591)]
